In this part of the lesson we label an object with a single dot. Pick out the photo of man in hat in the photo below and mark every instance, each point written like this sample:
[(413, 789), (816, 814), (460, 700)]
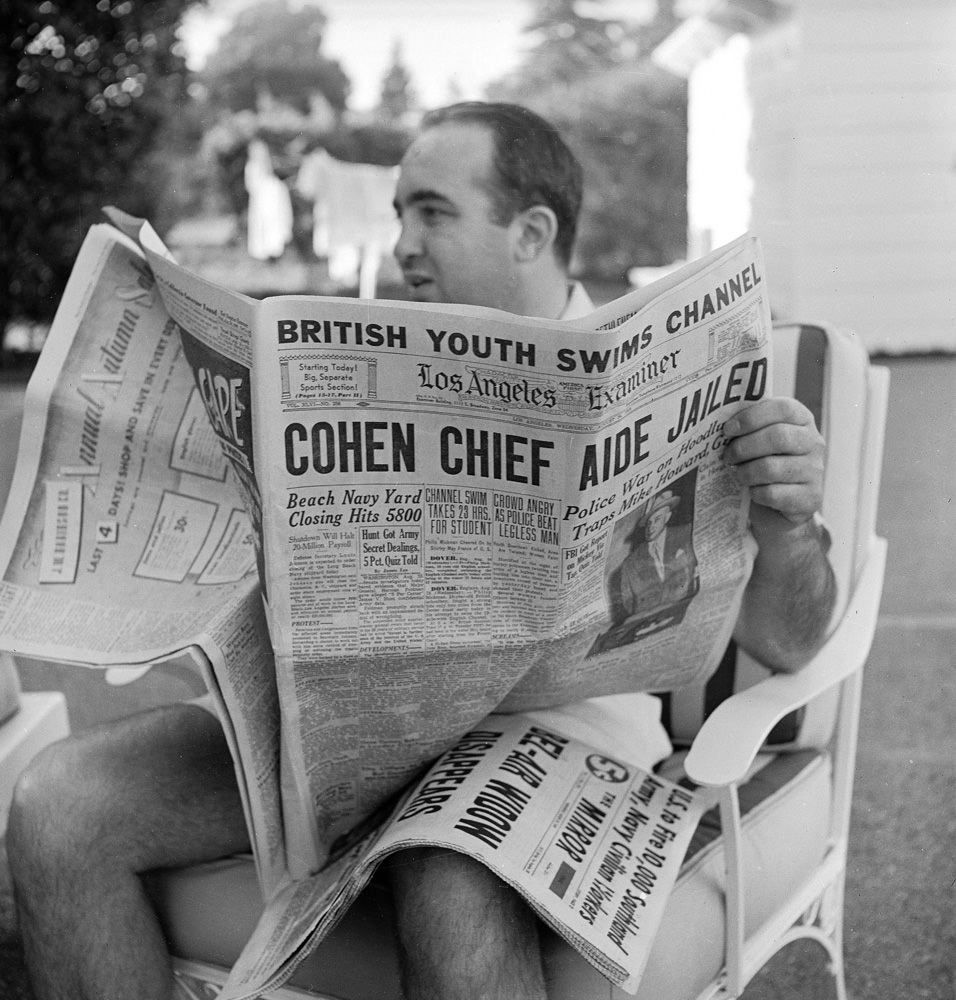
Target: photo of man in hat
[(660, 570)]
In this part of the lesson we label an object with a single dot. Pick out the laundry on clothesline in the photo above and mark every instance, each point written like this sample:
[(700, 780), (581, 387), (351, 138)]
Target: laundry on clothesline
[(352, 203), (269, 227)]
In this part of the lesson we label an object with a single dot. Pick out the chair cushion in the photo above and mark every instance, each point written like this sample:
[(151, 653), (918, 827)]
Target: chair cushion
[(210, 911), (683, 712)]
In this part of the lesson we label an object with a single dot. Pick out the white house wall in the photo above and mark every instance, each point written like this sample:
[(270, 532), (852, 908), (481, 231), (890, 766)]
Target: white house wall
[(774, 160), (853, 160), (719, 187)]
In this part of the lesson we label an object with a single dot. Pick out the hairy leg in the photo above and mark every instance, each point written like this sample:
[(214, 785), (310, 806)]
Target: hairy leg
[(464, 933), (153, 790)]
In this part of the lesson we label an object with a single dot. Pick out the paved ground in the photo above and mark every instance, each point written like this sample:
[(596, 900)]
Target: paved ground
[(899, 928), (900, 936)]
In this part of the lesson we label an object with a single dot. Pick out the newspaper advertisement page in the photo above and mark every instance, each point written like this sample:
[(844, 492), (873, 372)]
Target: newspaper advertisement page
[(124, 535), (594, 845), (216, 332), (471, 510)]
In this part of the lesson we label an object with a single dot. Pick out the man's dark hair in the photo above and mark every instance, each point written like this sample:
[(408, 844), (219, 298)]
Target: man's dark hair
[(531, 164)]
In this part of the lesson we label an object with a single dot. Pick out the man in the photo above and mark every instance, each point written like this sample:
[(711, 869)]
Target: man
[(488, 198), (659, 568)]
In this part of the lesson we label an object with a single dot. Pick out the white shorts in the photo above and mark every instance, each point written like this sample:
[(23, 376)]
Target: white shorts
[(625, 726)]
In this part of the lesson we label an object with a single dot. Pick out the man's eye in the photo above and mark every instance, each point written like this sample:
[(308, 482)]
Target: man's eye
[(432, 213)]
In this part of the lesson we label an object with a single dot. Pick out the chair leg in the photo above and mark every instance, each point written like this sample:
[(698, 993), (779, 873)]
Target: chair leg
[(823, 923), (836, 965), (838, 973)]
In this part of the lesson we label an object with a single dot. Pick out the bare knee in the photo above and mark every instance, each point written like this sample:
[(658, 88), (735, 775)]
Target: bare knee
[(148, 791), (50, 821), (48, 788), (463, 932)]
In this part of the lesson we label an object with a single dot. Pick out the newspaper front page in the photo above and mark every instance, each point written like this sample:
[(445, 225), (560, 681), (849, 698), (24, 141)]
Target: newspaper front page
[(461, 511), (456, 510), (452, 511)]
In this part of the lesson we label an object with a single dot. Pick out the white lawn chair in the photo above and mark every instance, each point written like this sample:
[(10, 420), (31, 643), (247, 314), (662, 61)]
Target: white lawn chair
[(768, 866)]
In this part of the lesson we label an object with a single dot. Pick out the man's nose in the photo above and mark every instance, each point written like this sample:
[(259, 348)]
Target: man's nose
[(409, 244)]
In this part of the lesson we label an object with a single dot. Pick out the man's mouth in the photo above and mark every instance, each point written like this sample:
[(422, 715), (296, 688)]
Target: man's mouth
[(417, 283)]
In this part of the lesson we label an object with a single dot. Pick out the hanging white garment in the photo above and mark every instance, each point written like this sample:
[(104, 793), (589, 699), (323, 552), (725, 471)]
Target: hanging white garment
[(353, 219), (269, 228), (360, 197), (311, 183)]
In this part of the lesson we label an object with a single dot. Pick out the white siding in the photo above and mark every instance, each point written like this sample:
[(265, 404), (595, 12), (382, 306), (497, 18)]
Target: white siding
[(774, 161), (853, 159), (719, 188)]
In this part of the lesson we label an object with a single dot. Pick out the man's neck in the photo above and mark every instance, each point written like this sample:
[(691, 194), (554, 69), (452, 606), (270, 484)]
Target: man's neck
[(545, 297)]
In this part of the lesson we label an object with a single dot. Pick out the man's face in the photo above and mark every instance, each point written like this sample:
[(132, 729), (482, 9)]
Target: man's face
[(657, 522), (449, 249)]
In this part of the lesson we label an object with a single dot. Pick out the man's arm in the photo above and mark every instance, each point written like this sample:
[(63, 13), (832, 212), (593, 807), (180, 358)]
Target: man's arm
[(778, 454)]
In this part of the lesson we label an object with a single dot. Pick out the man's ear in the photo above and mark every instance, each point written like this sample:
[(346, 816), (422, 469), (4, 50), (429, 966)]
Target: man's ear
[(536, 229)]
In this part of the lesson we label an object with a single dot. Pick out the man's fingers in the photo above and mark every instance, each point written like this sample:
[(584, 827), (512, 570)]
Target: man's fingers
[(778, 454), (774, 439), (778, 469), (797, 503), (765, 412)]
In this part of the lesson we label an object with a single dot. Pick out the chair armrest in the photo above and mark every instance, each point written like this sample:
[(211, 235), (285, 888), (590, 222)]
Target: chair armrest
[(734, 733)]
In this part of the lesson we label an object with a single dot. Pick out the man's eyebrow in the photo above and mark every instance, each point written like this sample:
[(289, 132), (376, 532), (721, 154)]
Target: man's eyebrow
[(416, 197)]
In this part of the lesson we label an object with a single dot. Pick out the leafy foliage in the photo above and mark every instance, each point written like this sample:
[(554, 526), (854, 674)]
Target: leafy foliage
[(570, 45), (378, 142), (627, 122), (87, 88), (273, 52)]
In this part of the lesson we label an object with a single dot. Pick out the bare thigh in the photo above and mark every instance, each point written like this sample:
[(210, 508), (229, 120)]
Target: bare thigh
[(156, 789)]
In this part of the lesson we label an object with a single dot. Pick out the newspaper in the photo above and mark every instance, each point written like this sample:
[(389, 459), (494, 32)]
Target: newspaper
[(593, 845), (376, 523)]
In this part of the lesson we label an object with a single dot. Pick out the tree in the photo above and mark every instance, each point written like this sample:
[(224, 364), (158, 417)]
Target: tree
[(576, 39), (570, 45), (87, 87), (630, 128), (273, 53), (591, 75), (397, 97)]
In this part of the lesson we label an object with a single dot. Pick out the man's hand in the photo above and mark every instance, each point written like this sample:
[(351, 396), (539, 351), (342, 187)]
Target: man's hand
[(777, 453)]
